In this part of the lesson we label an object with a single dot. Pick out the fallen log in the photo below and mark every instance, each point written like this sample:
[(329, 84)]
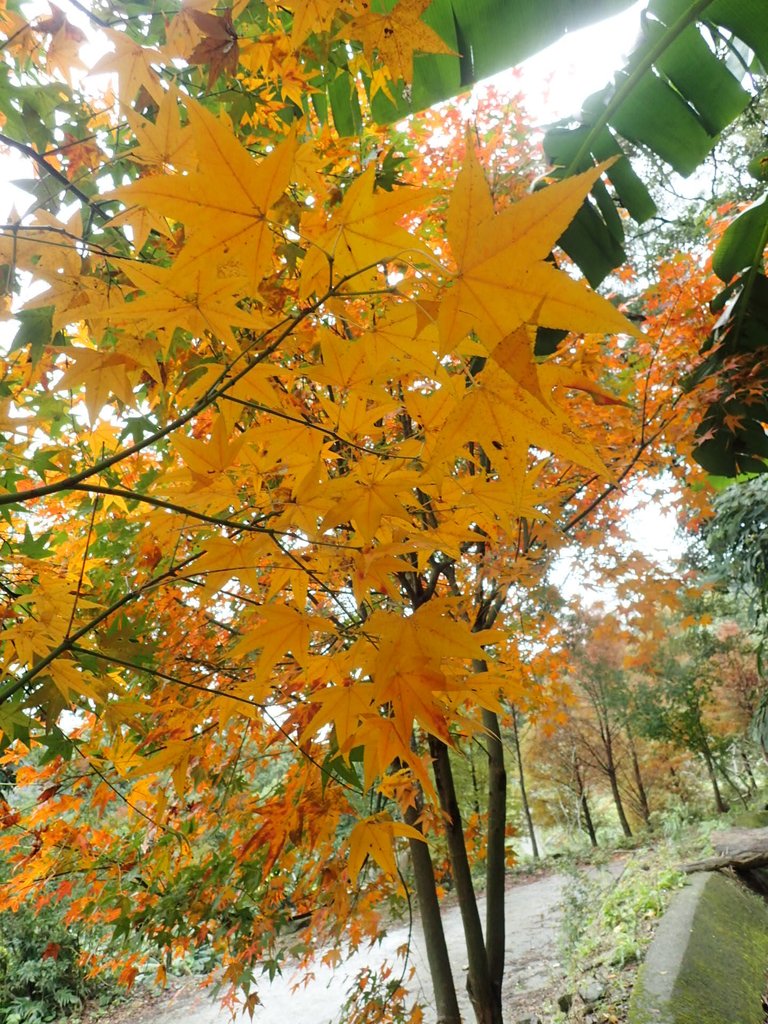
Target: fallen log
[(738, 848)]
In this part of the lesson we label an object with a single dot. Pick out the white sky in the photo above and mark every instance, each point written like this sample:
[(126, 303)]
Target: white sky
[(558, 79)]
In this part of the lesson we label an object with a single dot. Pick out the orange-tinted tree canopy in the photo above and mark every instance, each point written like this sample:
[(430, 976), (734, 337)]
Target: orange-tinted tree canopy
[(280, 462)]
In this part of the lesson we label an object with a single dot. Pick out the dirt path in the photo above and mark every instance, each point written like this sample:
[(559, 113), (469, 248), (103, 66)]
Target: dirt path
[(532, 970)]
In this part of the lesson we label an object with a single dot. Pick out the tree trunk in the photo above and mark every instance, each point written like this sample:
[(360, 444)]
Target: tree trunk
[(614, 782), (720, 804), (611, 771), (523, 791), (751, 783), (473, 775), (496, 853), (642, 796), (495, 864), (446, 1004), (584, 806), (487, 1007), (727, 776)]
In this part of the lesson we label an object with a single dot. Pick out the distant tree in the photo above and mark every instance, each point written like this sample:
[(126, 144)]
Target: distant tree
[(686, 700)]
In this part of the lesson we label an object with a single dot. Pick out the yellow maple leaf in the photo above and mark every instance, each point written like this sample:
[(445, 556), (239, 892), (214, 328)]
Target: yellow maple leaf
[(373, 568), (506, 420), (164, 143), (374, 836), (213, 456), (224, 204), (344, 707), (133, 65), (310, 16), (363, 233), (372, 490), (101, 374), (186, 295), (141, 222), (280, 629), (504, 279), (395, 37), (223, 560)]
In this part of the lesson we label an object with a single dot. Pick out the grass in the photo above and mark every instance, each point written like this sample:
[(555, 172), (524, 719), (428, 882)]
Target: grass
[(609, 919)]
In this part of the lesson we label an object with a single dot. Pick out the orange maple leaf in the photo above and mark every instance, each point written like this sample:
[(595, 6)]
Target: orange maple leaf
[(504, 279)]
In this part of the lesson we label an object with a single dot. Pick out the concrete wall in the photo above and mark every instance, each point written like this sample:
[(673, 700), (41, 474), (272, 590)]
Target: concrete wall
[(708, 962)]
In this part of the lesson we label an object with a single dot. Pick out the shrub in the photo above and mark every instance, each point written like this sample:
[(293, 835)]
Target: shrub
[(42, 977)]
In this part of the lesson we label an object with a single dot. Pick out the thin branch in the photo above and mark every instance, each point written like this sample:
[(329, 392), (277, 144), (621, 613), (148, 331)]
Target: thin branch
[(82, 568), (55, 173), (68, 642)]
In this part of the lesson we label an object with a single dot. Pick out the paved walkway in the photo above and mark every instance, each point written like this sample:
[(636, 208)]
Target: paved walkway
[(533, 919)]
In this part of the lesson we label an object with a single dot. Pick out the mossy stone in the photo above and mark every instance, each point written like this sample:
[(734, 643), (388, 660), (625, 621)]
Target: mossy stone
[(751, 819), (709, 959)]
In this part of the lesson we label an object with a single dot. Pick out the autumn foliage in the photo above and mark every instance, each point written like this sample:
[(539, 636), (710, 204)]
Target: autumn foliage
[(284, 465)]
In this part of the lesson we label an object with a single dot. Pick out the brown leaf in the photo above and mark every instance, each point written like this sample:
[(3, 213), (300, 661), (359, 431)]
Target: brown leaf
[(219, 49)]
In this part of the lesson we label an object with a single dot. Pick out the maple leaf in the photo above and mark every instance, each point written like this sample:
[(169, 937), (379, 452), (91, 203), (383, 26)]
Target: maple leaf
[(374, 489), (280, 629), (374, 836), (226, 201), (164, 143), (133, 65), (101, 374), (186, 295), (224, 560), (142, 223), (210, 457), (80, 155), (395, 37), (182, 33), (504, 279), (344, 707), (218, 48), (310, 16), (363, 232), (63, 52)]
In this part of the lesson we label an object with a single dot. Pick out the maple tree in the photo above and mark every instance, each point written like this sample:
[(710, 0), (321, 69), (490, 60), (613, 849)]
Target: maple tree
[(283, 471)]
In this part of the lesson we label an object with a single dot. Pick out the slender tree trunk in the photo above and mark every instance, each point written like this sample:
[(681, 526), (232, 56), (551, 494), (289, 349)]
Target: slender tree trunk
[(584, 805), (642, 796), (614, 783), (611, 773), (523, 791), (728, 778), (446, 1003), (495, 863), (720, 804), (473, 775), (751, 783), (487, 1008)]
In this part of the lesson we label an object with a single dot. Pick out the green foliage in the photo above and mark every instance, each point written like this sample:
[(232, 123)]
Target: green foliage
[(42, 976), (737, 539), (610, 920)]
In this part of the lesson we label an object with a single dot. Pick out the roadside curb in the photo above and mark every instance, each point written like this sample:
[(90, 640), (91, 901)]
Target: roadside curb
[(708, 960)]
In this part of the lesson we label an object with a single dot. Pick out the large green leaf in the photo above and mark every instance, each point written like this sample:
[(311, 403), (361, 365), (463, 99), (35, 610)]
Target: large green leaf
[(674, 96), (743, 244), (488, 36)]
